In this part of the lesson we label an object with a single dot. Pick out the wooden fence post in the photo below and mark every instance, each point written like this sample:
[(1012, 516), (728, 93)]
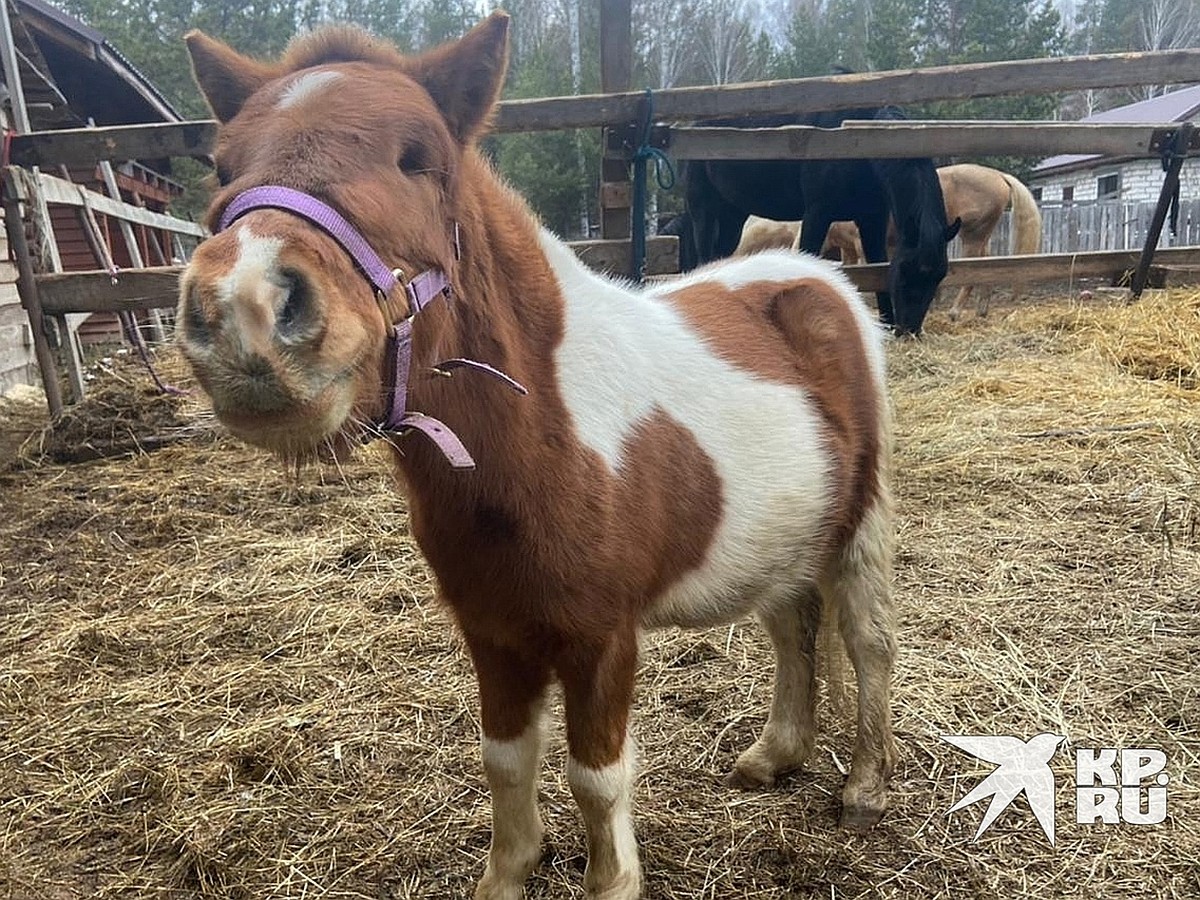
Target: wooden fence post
[(14, 225), (616, 74)]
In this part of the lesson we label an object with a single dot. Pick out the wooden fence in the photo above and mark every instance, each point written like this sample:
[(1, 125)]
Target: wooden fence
[(61, 294), (1099, 225)]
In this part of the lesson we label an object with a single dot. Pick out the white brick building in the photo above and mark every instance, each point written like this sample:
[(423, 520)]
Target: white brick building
[(1081, 178), (1092, 202)]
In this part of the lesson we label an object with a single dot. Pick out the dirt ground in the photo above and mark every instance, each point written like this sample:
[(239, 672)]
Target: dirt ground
[(222, 679)]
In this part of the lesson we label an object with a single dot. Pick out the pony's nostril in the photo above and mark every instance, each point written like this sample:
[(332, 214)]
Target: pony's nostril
[(297, 316)]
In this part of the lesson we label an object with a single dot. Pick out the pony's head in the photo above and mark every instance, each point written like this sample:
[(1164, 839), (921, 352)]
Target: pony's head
[(283, 325), (919, 263)]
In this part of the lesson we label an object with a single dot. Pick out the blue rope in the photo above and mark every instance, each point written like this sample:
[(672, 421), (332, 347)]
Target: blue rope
[(664, 172), (645, 153)]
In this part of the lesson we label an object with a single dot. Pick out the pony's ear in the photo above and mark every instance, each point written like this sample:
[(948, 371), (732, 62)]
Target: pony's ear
[(464, 78), (953, 228), (226, 78)]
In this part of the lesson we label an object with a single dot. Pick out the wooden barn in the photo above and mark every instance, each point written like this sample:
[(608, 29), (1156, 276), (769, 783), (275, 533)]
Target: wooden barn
[(69, 76)]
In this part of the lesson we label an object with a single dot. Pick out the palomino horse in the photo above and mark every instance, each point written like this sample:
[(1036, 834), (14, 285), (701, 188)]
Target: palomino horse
[(760, 234), (765, 234), (685, 456), (977, 196), (720, 194)]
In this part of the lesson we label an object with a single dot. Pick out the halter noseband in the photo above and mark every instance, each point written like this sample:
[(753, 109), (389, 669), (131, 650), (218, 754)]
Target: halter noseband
[(421, 291)]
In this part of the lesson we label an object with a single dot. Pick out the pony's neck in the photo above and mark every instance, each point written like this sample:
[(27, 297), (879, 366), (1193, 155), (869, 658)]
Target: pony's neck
[(912, 186), (505, 311)]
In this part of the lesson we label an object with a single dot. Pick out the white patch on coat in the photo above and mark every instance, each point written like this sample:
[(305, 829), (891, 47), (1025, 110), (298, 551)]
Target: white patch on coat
[(604, 799), (299, 89), (512, 770), (252, 291), (626, 355)]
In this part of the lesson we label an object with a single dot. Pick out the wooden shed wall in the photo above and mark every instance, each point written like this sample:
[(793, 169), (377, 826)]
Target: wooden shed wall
[(17, 362)]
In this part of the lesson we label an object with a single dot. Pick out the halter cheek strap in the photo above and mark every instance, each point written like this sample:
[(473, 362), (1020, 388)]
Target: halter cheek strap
[(421, 291)]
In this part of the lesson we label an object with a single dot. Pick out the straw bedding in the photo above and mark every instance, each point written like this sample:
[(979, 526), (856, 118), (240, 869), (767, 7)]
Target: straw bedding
[(221, 679)]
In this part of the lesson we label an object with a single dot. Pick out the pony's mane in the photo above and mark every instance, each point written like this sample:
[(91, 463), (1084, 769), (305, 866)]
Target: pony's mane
[(335, 44)]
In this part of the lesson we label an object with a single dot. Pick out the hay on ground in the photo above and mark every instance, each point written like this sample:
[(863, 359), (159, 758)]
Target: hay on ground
[(220, 680)]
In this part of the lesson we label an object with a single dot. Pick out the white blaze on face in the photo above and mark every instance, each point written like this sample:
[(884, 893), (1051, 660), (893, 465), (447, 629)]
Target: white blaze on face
[(305, 86), (252, 290)]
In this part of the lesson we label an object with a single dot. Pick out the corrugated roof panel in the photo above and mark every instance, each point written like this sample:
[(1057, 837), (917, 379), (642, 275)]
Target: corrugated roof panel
[(1177, 106)]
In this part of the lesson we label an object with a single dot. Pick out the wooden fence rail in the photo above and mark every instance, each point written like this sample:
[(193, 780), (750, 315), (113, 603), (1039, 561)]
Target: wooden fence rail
[(867, 89), (94, 291), (911, 138)]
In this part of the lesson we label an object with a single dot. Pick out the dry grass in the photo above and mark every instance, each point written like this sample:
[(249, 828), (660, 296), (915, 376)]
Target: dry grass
[(217, 680)]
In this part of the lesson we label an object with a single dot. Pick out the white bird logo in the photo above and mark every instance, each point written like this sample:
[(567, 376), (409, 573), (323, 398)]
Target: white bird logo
[(1021, 766)]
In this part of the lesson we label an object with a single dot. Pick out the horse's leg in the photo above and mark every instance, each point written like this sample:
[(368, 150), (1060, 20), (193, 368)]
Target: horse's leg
[(813, 230), (859, 585), (970, 249), (597, 693), (874, 243), (787, 739), (512, 692)]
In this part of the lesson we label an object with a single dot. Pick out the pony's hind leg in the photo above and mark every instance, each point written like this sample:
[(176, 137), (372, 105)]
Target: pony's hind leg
[(787, 738), (859, 585), (512, 693), (597, 693)]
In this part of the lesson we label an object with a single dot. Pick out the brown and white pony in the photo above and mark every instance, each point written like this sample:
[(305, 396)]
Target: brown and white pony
[(709, 449)]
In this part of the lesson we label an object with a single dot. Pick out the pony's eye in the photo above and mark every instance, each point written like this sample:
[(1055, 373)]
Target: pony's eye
[(223, 176), (413, 160)]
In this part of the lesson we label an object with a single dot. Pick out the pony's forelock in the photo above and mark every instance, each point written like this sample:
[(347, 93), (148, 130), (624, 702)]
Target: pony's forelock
[(338, 44)]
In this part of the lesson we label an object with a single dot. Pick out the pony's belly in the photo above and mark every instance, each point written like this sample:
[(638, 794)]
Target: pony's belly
[(766, 560)]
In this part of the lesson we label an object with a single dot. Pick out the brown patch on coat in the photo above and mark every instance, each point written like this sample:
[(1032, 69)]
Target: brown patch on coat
[(814, 343)]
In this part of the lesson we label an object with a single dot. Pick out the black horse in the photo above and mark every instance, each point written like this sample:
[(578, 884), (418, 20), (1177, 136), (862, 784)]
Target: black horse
[(681, 227), (720, 194)]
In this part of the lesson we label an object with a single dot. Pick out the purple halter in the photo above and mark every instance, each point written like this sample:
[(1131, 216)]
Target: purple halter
[(421, 291)]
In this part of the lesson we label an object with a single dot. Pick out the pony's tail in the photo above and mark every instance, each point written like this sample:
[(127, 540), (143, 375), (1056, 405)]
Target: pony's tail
[(1026, 218)]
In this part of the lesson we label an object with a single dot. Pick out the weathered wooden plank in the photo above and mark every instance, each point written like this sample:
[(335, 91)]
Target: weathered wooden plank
[(866, 89), (14, 227), (616, 75), (1034, 269), (613, 256), (915, 138), (158, 287), (86, 292), (56, 190), (87, 146)]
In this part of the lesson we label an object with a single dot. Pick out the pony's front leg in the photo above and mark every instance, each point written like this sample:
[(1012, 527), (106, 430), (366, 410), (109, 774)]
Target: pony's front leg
[(598, 691), (512, 691)]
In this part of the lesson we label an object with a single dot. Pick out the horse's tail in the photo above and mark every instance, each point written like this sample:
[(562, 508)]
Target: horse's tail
[(1026, 218)]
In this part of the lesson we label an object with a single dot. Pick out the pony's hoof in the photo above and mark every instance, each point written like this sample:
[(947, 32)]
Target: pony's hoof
[(627, 886), (496, 891), (746, 781), (861, 817)]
